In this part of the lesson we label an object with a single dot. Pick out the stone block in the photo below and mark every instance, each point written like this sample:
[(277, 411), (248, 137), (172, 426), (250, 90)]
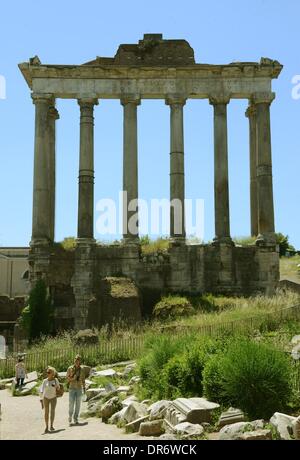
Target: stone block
[(110, 407), (258, 435), (26, 389), (158, 409), (134, 411), (104, 373), (93, 392), (31, 377), (187, 429), (196, 410), (284, 425), (129, 400), (154, 428), (134, 426), (231, 416)]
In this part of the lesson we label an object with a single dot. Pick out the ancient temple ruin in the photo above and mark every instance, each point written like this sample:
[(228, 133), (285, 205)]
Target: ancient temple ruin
[(155, 68)]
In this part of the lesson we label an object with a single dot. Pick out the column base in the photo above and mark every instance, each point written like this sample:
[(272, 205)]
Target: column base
[(85, 241), (266, 239), (226, 240), (177, 241), (37, 242), (131, 241)]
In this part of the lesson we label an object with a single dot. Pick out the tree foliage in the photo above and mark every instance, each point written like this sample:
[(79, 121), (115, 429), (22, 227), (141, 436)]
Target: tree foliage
[(284, 245), (37, 316)]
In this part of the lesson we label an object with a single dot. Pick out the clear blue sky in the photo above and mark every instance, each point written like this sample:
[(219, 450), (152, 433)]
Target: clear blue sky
[(74, 32)]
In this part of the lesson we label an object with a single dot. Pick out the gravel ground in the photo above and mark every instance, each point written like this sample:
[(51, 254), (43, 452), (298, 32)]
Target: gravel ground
[(23, 418)]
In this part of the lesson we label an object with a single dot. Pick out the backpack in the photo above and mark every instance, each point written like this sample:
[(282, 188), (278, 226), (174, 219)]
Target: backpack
[(60, 391)]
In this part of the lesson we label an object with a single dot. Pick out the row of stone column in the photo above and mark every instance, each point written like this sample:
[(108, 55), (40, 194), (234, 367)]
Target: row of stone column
[(261, 191)]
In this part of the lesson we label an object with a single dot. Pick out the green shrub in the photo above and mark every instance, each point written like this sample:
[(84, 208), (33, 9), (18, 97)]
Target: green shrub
[(145, 240), (24, 319), (69, 243), (173, 306), (182, 375), (213, 379), (148, 246), (254, 377), (172, 366), (158, 350), (175, 377), (37, 317), (284, 244)]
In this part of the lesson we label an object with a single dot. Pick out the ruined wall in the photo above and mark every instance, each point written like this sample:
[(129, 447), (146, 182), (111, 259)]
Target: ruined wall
[(191, 269), (13, 271), (10, 310)]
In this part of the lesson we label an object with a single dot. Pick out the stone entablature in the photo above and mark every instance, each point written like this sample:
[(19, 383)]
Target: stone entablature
[(152, 68), (198, 81)]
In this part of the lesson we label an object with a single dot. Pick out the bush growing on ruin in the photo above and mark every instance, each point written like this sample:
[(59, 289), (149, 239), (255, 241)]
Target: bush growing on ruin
[(149, 246), (69, 243), (173, 306)]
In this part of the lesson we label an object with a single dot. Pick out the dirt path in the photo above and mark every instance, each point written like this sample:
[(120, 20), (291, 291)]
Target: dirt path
[(22, 418)]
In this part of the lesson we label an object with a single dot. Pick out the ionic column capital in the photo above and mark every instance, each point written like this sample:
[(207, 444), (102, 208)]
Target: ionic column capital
[(175, 99), (53, 113), (262, 98), (251, 111), (219, 99), (87, 101), (130, 99), (42, 98)]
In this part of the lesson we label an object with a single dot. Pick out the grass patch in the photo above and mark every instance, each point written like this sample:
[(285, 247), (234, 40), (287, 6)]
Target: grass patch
[(244, 240), (236, 309), (149, 246)]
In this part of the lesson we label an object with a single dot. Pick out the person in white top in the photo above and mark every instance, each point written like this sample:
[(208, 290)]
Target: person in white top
[(48, 397), (20, 372)]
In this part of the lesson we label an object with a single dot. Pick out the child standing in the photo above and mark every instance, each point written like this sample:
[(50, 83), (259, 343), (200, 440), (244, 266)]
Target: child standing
[(20, 372)]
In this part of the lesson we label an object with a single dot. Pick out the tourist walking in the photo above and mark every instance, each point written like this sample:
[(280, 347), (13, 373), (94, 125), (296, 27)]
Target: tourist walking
[(76, 381), (20, 372), (48, 397)]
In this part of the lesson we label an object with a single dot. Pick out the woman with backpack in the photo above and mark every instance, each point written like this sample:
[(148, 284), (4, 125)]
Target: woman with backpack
[(48, 390)]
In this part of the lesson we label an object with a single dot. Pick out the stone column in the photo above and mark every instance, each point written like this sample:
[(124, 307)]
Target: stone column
[(177, 192), (222, 222), (130, 169), (266, 227), (86, 169), (41, 220), (251, 114), (53, 116)]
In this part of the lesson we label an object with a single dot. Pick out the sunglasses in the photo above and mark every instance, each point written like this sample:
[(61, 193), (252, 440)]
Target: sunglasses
[(49, 372)]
